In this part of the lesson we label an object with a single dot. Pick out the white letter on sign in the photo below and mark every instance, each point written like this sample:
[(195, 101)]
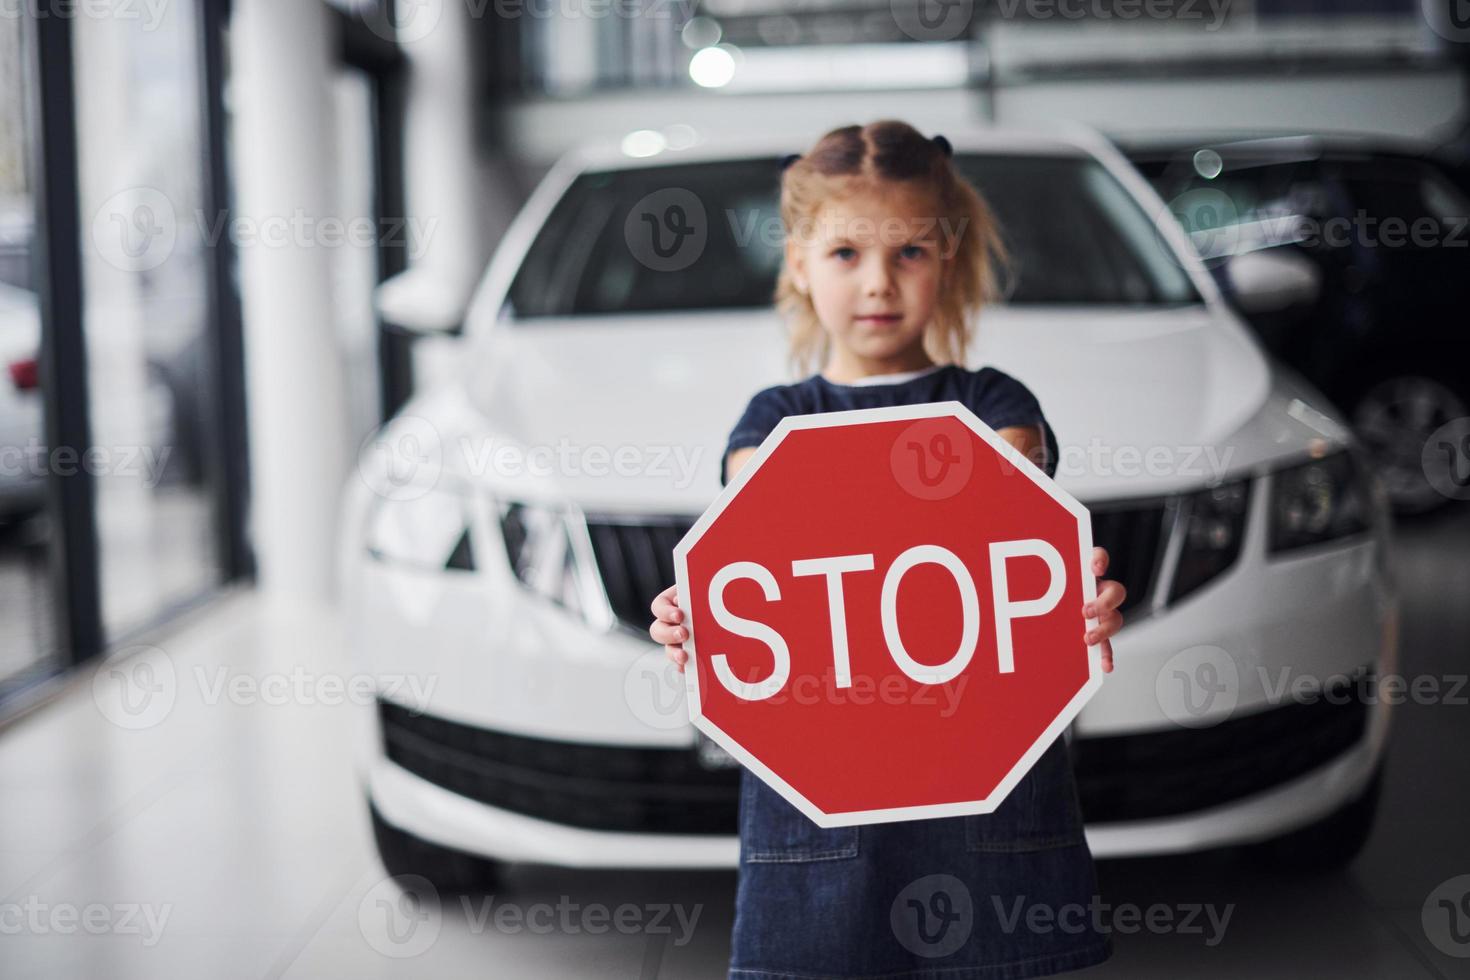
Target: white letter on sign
[(969, 603), (1005, 609), (760, 690), (836, 605)]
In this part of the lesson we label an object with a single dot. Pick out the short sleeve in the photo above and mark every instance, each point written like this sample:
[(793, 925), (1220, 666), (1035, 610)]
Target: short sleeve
[(765, 411), (1002, 401)]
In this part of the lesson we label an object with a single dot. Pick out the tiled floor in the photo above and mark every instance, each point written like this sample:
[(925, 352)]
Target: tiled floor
[(196, 834)]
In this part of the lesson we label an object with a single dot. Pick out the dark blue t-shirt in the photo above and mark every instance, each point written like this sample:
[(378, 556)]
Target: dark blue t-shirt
[(995, 397)]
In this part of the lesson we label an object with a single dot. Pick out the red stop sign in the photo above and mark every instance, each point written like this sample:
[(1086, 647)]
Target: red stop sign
[(885, 619)]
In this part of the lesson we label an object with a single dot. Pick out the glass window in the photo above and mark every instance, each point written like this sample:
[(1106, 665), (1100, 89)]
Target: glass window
[(146, 313), (1075, 235), (27, 610)]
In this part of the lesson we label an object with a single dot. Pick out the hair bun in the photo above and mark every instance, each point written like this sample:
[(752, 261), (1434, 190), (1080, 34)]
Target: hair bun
[(944, 145), (789, 159)]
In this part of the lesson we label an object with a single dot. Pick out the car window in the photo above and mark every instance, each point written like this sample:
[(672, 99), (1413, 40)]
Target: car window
[(1075, 234)]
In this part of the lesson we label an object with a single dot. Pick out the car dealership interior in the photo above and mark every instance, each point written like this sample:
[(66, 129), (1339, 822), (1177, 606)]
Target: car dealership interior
[(397, 391)]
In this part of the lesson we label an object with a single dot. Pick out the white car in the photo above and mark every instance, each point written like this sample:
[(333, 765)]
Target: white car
[(506, 532)]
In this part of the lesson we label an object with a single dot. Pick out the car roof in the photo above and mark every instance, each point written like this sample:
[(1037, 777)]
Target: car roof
[(717, 146)]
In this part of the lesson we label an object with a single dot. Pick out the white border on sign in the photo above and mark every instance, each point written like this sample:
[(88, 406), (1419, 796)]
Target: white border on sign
[(897, 413)]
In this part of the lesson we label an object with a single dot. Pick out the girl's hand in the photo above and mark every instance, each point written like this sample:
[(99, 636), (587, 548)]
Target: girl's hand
[(667, 628), (1110, 595)]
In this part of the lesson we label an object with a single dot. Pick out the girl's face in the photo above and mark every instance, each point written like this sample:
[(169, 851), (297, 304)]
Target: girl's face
[(872, 268)]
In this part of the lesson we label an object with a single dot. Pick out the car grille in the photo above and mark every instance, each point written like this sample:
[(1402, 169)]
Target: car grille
[(668, 791), (601, 787), (635, 555), (1166, 773)]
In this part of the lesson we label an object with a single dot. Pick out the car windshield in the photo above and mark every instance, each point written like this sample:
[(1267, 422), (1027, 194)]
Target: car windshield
[(1075, 237)]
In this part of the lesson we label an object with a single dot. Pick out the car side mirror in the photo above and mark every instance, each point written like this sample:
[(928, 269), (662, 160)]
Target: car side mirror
[(1270, 280), (423, 302)]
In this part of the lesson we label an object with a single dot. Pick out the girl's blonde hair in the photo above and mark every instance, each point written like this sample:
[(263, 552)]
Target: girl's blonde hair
[(853, 159)]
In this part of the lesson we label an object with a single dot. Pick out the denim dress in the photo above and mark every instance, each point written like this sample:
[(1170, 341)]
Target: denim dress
[(1003, 895)]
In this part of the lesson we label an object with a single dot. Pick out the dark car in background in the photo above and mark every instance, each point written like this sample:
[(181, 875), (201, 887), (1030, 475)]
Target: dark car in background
[(1377, 236)]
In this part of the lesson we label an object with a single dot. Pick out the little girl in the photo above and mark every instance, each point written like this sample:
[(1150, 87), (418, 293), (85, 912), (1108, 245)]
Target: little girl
[(888, 259)]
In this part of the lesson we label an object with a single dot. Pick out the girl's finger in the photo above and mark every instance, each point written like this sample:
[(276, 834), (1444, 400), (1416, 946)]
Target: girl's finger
[(666, 607), (677, 655), (668, 633), (1110, 595), (1106, 627), (1107, 656), (1099, 560), (1109, 624)]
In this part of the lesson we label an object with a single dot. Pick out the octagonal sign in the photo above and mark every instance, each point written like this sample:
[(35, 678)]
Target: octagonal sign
[(884, 611)]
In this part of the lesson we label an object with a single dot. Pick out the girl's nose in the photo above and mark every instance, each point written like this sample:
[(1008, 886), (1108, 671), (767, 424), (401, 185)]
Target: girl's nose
[(880, 280)]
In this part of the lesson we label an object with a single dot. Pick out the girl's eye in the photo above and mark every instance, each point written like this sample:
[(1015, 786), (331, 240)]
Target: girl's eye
[(844, 253), (912, 251)]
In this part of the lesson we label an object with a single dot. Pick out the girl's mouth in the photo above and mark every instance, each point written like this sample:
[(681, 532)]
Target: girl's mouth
[(881, 318)]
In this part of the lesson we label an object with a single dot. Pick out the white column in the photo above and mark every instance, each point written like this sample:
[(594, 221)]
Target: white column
[(282, 60)]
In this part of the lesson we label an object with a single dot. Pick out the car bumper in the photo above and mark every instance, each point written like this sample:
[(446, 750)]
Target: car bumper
[(522, 755)]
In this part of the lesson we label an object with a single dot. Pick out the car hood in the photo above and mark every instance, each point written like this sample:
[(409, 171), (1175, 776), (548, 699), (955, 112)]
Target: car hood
[(631, 414)]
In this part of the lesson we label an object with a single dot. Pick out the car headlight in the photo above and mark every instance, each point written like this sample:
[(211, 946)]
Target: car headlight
[(430, 531), (1317, 501), (544, 547), (1213, 524)]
